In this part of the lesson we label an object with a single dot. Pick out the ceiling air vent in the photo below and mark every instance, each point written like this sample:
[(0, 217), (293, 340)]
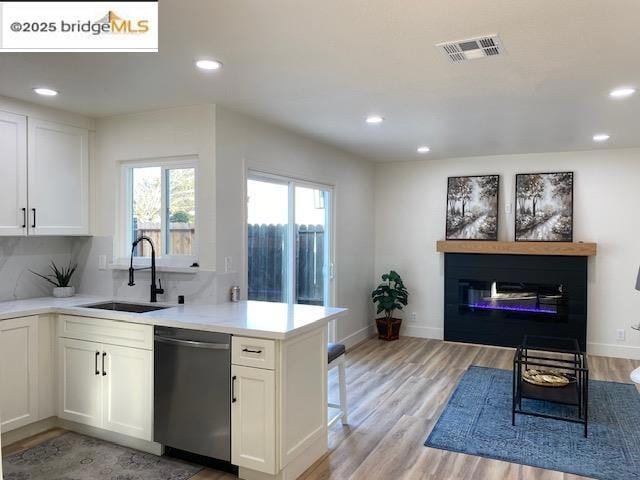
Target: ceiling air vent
[(472, 48)]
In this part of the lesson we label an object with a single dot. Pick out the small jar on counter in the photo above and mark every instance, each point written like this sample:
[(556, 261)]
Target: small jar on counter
[(235, 293)]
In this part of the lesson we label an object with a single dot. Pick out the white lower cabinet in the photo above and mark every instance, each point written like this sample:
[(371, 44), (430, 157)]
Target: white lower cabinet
[(80, 385), (128, 391), (19, 395), (104, 379), (253, 419), (106, 386), (278, 405)]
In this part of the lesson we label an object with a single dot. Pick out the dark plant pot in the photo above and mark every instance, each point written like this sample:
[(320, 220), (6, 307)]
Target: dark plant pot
[(388, 329)]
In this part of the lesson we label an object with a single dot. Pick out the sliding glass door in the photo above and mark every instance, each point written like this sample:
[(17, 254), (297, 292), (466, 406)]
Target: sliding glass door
[(289, 240), (267, 242)]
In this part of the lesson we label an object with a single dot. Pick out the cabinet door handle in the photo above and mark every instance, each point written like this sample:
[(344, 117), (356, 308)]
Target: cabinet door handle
[(34, 218), (233, 389), (96, 363), (104, 372), (249, 350), (24, 218)]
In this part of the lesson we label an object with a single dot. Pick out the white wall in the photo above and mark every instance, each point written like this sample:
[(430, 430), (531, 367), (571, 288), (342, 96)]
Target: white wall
[(410, 218), (246, 143)]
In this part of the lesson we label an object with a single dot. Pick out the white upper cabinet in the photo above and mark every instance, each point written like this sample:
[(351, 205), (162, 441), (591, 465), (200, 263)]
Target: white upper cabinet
[(44, 186), (58, 160), (13, 181)]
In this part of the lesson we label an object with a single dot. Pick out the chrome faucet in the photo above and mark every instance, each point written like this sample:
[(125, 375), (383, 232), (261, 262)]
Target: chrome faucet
[(154, 290)]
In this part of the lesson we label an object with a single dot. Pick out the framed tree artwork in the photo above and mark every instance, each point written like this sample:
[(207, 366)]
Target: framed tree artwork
[(472, 207), (544, 207)]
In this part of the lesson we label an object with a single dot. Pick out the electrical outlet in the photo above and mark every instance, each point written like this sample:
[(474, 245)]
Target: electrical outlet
[(414, 315), (102, 262), (620, 334), (228, 264)]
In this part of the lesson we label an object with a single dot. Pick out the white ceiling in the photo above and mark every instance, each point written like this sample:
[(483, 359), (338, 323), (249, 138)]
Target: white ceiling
[(319, 67)]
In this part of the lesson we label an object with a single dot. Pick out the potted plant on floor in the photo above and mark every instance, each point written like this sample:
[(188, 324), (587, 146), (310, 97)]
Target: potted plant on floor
[(60, 278), (391, 295)]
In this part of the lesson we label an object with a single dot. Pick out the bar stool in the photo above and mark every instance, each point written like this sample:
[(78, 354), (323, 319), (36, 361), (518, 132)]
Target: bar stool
[(336, 356)]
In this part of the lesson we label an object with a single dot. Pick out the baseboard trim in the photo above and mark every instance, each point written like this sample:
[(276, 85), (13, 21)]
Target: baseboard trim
[(597, 349), (30, 430), (357, 337), (413, 330), (612, 350)]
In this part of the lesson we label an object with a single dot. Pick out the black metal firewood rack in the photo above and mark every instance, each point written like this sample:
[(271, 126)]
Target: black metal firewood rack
[(558, 354)]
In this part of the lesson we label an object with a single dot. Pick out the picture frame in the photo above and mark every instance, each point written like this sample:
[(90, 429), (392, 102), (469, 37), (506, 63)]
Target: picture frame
[(543, 208), (472, 207)]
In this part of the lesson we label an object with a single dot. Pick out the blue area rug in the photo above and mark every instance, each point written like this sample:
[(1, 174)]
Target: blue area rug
[(477, 421)]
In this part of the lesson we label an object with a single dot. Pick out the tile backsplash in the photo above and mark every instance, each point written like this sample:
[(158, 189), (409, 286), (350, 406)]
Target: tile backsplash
[(202, 287), (18, 255)]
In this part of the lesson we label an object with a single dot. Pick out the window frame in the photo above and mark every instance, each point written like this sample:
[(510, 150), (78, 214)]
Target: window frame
[(126, 209)]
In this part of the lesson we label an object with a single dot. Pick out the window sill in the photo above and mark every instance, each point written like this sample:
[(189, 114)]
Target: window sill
[(159, 268)]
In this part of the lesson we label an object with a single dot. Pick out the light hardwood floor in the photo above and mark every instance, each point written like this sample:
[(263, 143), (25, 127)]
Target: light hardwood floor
[(397, 391)]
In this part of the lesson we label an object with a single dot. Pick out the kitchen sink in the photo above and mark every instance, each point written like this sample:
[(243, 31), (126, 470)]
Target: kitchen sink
[(125, 307)]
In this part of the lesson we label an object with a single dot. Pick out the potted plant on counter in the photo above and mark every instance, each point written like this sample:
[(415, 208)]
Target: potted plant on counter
[(391, 295), (60, 278)]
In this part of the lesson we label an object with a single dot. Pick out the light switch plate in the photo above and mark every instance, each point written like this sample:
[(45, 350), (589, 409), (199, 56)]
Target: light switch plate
[(102, 262), (507, 208)]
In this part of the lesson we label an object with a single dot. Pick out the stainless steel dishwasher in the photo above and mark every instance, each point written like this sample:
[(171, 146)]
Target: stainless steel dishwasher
[(193, 391)]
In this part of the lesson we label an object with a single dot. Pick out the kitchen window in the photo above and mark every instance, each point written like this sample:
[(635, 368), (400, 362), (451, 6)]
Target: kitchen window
[(160, 203)]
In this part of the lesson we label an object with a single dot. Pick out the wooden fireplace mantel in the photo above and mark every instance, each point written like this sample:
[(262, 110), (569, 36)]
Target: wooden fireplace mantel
[(574, 249)]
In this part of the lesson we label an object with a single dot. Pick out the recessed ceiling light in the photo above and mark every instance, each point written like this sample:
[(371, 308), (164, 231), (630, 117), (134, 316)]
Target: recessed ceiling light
[(601, 137), (47, 92), (622, 92), (374, 119), (208, 64), (424, 149)]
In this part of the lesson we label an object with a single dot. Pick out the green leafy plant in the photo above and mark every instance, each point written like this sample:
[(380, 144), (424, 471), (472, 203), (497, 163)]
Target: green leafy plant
[(59, 277), (390, 295), (180, 217)]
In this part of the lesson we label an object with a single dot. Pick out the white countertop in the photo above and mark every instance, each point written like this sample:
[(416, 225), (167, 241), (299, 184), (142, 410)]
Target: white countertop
[(277, 321)]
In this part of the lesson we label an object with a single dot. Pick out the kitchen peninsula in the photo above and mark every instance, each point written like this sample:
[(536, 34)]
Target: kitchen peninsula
[(65, 363)]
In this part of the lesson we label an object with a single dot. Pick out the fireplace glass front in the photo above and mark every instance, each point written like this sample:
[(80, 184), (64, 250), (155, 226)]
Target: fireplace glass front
[(547, 302)]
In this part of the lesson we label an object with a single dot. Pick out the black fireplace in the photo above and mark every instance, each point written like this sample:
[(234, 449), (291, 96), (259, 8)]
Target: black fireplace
[(498, 299)]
